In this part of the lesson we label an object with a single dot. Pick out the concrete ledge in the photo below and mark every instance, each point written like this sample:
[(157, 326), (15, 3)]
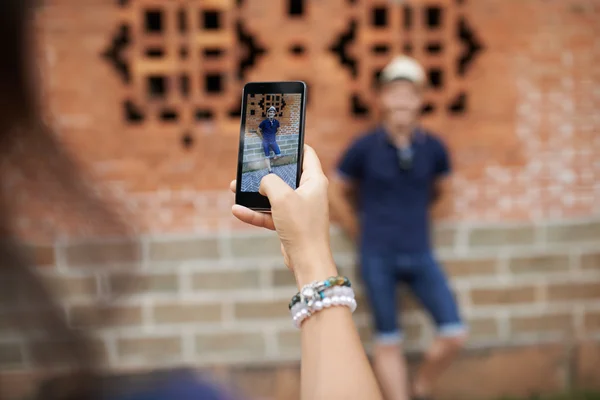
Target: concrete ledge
[(520, 371), (260, 164)]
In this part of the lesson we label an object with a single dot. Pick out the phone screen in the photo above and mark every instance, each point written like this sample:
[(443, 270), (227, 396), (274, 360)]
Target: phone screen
[(271, 137)]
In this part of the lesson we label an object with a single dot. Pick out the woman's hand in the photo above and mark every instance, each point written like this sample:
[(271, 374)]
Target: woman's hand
[(301, 219)]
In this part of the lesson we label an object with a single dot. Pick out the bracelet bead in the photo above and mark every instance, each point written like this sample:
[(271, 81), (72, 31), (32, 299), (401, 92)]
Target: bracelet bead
[(316, 296)]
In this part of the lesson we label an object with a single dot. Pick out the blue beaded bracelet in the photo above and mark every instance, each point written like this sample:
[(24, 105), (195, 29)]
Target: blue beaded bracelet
[(317, 288)]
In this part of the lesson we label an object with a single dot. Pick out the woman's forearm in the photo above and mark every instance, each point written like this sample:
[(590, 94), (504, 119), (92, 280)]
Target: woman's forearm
[(334, 363)]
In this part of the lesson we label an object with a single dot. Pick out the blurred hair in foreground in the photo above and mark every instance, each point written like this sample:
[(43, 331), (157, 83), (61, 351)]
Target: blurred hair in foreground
[(33, 165)]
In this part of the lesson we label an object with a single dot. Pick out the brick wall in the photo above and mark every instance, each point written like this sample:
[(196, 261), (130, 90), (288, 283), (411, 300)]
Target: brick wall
[(523, 141), (222, 299)]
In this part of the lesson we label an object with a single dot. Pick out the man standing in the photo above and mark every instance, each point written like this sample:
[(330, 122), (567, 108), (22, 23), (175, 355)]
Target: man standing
[(389, 178), (268, 130)]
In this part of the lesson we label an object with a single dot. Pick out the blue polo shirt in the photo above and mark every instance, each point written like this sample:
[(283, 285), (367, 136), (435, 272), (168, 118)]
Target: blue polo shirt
[(178, 385), (269, 129), (394, 203)]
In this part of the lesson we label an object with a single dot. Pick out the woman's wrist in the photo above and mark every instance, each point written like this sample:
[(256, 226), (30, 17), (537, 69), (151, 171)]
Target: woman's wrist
[(313, 266)]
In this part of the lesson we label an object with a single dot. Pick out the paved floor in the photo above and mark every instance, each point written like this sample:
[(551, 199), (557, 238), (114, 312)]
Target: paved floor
[(251, 180)]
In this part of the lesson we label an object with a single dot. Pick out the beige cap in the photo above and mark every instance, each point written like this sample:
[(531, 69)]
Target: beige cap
[(403, 67)]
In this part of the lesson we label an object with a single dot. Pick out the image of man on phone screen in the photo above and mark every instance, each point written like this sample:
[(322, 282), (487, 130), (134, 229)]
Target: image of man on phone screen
[(268, 130)]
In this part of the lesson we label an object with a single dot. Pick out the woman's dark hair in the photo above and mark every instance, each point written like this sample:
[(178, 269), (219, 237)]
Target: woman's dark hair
[(31, 155)]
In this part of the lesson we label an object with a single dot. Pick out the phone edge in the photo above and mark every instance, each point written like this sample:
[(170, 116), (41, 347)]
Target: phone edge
[(301, 134), (241, 140)]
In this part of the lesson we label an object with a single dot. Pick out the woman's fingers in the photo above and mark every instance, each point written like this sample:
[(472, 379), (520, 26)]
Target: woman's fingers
[(251, 217)]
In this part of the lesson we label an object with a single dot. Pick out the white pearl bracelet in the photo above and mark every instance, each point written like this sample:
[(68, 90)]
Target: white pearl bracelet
[(332, 297)]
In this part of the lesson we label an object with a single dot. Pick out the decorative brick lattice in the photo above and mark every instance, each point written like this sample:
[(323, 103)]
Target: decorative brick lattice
[(523, 142), (288, 112), (438, 35), (187, 59), (180, 60)]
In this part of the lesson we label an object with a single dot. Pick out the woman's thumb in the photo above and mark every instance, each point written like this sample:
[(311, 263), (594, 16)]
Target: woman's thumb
[(274, 188)]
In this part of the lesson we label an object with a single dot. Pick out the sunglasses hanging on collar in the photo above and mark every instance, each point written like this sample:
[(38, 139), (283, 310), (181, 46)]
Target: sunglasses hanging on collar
[(405, 158)]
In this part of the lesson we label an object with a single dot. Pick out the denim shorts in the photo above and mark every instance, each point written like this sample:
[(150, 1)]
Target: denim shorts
[(381, 275), (271, 144)]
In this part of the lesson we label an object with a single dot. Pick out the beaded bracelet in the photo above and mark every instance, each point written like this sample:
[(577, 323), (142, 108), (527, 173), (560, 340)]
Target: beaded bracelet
[(319, 287), (338, 296), (318, 295)]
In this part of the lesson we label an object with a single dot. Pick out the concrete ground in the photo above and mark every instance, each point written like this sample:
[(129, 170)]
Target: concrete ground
[(251, 180)]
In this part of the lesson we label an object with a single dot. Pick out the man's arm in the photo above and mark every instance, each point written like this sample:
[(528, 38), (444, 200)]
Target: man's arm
[(342, 200), (441, 202), (441, 190), (259, 132), (441, 186), (277, 130), (343, 188)]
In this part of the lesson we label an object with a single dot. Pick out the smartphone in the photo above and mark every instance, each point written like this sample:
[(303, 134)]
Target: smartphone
[(271, 138)]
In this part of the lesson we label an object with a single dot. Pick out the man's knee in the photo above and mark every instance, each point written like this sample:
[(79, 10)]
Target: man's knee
[(455, 342)]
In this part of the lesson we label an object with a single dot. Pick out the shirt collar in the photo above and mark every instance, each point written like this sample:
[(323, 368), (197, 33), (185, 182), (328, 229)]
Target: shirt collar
[(417, 136)]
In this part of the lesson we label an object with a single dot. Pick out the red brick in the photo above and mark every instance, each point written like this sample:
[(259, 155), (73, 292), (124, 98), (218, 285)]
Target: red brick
[(592, 321), (88, 316), (483, 328), (150, 349), (587, 359), (573, 291), (515, 372), (542, 323), (19, 384), (504, 296), (506, 372), (86, 98), (469, 267)]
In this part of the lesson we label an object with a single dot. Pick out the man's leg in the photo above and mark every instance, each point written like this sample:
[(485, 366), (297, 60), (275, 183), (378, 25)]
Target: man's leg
[(388, 360), (432, 288), (276, 149), (267, 151), (437, 359)]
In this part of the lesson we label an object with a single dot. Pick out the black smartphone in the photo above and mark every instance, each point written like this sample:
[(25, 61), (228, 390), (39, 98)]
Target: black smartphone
[(271, 138)]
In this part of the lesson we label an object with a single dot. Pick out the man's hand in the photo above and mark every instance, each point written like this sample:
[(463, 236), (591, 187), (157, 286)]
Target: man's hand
[(441, 200), (342, 198)]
